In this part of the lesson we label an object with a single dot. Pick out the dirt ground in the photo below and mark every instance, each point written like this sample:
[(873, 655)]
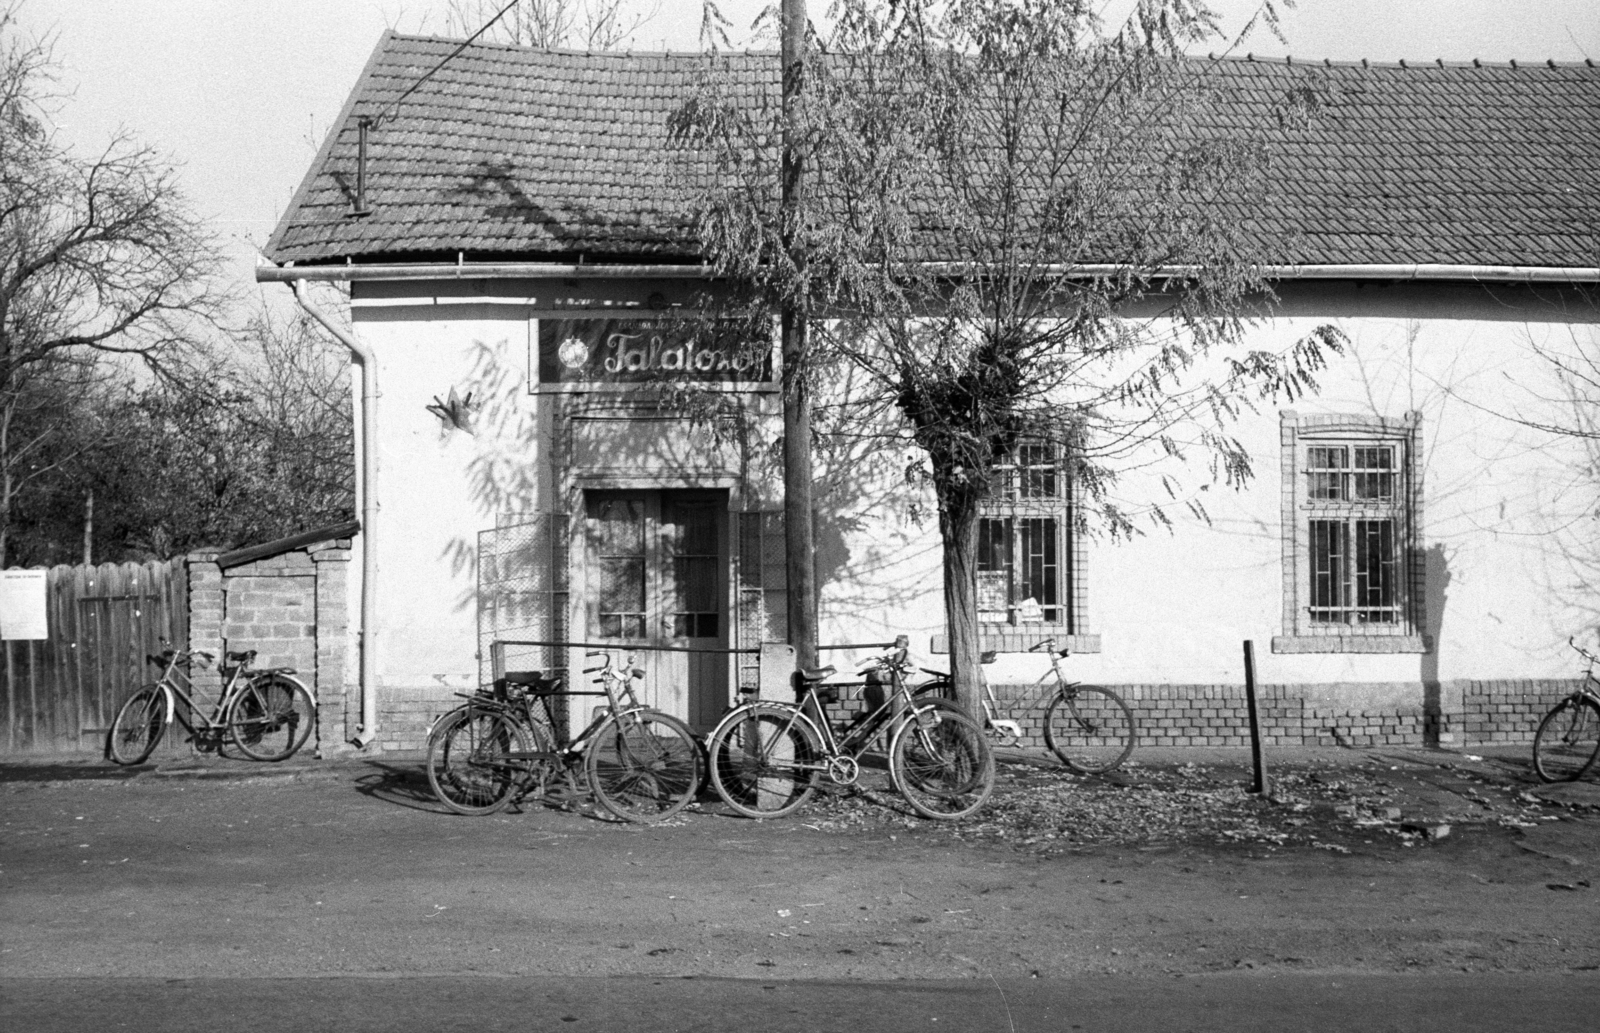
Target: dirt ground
[(1360, 861)]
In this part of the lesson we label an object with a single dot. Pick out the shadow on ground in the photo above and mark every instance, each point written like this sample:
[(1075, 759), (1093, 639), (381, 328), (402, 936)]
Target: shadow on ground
[(68, 771), (402, 784)]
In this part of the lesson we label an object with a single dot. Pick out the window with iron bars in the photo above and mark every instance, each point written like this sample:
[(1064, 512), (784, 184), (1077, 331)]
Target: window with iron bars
[(1026, 561), (1351, 517), (1354, 536)]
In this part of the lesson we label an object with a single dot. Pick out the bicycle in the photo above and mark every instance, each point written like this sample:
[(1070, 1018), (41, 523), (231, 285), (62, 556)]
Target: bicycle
[(1088, 727), (1001, 732), (1568, 740), (767, 757), (638, 763), (268, 714)]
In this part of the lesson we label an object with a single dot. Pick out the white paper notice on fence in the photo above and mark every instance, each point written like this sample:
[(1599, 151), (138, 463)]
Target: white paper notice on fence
[(22, 608)]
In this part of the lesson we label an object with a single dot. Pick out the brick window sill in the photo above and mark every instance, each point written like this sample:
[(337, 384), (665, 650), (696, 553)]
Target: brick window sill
[(1020, 640), (1351, 644)]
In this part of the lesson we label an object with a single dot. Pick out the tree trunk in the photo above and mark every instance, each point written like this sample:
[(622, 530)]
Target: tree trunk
[(958, 529)]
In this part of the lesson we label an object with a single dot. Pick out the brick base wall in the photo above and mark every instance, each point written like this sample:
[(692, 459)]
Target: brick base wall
[(1503, 711), (1510, 711), (403, 723), (1506, 711)]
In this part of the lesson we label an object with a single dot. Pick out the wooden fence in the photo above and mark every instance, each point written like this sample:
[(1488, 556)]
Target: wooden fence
[(62, 692)]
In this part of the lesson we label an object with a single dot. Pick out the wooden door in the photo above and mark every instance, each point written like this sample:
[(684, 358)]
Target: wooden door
[(657, 576)]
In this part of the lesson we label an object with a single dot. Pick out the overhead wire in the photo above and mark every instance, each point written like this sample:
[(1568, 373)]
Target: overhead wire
[(464, 44)]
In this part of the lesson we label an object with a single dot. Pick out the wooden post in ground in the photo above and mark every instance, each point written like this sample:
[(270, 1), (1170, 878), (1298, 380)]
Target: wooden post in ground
[(1258, 762), (797, 491)]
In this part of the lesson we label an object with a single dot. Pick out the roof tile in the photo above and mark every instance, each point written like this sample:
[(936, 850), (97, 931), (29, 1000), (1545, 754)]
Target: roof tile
[(543, 154)]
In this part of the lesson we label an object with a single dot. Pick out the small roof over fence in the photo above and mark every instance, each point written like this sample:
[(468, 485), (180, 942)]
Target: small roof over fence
[(266, 550)]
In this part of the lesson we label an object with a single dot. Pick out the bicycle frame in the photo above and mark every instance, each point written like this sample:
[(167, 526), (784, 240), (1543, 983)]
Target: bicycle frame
[(213, 724), (899, 704), (1007, 732), (1591, 681), (617, 689)]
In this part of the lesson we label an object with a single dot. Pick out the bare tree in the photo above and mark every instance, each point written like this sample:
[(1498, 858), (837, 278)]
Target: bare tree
[(100, 258), (549, 24), (1025, 233), (252, 444)]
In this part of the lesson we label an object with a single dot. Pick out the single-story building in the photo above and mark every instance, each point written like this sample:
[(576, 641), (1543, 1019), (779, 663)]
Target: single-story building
[(1409, 559)]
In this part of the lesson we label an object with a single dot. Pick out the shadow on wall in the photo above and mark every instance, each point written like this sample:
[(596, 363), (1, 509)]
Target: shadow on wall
[(501, 478), (871, 543), (1435, 594)]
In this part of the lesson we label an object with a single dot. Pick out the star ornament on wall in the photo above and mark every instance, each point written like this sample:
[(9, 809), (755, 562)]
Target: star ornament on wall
[(454, 411)]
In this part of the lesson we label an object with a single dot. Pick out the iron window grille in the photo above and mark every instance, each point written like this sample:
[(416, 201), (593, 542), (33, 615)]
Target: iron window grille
[(1028, 564), (1351, 521)]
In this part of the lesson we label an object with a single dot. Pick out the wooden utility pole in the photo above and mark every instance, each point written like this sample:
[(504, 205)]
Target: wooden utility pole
[(797, 496)]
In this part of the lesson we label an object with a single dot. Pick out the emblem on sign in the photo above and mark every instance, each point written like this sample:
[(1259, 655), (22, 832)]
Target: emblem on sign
[(573, 352)]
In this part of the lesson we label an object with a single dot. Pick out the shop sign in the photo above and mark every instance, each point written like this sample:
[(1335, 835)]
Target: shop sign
[(590, 351)]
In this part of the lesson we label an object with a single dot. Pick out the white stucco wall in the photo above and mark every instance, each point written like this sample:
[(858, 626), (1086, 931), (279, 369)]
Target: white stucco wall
[(438, 487), (1170, 606)]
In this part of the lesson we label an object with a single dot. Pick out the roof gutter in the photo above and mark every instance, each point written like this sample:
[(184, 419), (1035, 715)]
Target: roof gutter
[(366, 492), (561, 270), (479, 271)]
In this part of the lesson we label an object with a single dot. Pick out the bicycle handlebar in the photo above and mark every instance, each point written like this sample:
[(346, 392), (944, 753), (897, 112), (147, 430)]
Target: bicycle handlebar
[(1583, 652), (1049, 646)]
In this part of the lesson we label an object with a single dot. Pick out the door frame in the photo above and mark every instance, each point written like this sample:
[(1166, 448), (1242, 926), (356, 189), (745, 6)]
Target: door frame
[(578, 566)]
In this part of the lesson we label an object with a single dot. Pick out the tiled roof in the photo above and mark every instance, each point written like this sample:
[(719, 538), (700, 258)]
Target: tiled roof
[(528, 154)]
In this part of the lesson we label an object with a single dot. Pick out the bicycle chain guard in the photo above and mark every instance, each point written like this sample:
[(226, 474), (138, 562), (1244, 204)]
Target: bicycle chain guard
[(843, 770)]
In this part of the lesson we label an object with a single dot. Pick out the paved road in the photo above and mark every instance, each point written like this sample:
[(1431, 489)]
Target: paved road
[(344, 898), (1108, 1004)]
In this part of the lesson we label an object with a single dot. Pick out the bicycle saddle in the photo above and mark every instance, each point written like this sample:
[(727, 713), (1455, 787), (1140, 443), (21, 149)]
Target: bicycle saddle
[(815, 673), (242, 658), (534, 681)]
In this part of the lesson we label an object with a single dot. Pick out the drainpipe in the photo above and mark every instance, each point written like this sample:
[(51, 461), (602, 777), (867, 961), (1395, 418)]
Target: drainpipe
[(366, 483)]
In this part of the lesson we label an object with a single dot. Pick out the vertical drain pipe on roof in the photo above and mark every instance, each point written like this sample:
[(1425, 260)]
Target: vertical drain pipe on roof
[(368, 479)]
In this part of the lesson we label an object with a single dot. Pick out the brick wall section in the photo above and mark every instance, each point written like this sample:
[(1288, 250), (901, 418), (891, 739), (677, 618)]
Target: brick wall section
[(1510, 710), (1506, 711), (338, 702), (293, 610), (205, 613), (403, 723)]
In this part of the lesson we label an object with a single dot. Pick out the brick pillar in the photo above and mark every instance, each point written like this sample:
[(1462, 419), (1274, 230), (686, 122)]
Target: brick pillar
[(338, 709), (1444, 708), (206, 615)]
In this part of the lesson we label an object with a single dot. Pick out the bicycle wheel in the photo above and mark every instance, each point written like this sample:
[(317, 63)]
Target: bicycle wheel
[(643, 765), (1568, 740), (271, 717), (469, 760), (763, 761), (1090, 729), (138, 726), (941, 763)]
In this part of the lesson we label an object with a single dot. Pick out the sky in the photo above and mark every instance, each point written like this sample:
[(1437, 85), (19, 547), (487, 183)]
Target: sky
[(239, 93)]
